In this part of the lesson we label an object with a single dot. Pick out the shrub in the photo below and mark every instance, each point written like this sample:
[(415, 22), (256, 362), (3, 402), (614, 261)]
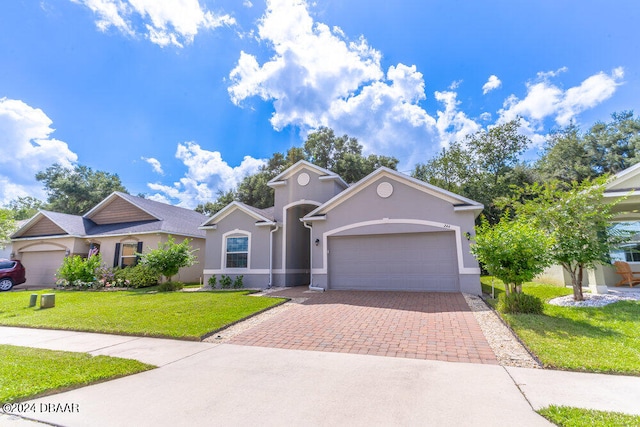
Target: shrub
[(225, 282), (520, 303), (78, 270), (212, 282), (137, 276), (170, 257), (170, 286), (237, 282)]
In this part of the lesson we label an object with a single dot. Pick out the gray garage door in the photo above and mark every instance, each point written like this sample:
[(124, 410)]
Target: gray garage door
[(41, 267), (417, 261)]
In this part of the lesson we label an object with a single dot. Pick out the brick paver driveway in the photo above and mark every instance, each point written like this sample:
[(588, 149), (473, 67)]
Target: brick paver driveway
[(420, 325)]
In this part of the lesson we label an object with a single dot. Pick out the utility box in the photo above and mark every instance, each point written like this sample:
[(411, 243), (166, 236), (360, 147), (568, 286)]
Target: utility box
[(47, 300), (33, 300)]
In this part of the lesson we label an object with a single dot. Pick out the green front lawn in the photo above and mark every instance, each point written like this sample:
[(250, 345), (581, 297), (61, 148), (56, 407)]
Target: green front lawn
[(29, 372), (576, 417), (185, 315), (604, 339)]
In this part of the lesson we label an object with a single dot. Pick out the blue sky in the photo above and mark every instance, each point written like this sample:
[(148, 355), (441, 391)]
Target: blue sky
[(182, 98)]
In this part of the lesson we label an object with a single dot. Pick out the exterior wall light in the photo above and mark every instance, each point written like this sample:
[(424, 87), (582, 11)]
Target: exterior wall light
[(317, 242)]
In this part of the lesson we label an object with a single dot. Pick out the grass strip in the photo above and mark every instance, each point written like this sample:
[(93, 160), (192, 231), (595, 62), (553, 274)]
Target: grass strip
[(590, 339), (576, 417), (183, 315), (29, 372)]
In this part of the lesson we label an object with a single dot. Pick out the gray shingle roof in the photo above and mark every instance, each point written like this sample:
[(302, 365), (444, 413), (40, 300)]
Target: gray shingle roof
[(171, 220)]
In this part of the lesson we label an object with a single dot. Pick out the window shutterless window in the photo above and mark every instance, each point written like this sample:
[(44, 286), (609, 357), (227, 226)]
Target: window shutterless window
[(237, 252)]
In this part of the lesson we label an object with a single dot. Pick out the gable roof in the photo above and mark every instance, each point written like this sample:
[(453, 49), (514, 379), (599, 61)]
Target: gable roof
[(261, 215), (623, 180), (303, 164), (72, 225), (460, 203), (161, 218)]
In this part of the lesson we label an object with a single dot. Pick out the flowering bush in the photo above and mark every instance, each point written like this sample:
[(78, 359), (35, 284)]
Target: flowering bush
[(78, 272)]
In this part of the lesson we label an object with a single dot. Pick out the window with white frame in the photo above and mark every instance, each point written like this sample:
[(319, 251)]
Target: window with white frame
[(237, 252)]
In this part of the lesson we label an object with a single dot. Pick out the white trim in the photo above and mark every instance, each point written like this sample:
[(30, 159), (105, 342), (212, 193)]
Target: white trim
[(223, 256), (313, 218), (398, 177), (622, 176), (442, 225), (278, 184), (301, 164), (251, 271), (284, 226), (230, 208), (208, 227), (243, 271), (92, 236), (117, 194)]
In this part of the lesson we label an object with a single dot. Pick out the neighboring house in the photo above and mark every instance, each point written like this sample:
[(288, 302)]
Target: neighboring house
[(388, 231), (625, 184), (118, 227)]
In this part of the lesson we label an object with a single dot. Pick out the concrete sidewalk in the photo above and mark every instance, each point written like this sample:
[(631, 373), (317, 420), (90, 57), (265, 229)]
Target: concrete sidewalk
[(207, 384)]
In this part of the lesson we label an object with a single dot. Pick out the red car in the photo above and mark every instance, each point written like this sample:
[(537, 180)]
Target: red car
[(12, 273)]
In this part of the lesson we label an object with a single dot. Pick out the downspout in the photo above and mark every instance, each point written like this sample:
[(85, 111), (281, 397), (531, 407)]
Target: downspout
[(271, 255), (311, 287)]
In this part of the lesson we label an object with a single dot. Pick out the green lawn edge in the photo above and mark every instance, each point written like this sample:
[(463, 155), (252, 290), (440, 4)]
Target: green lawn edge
[(565, 416), (28, 373), (189, 316), (580, 339)]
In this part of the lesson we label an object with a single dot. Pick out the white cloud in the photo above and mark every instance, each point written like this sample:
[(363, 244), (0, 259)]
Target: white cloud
[(316, 76), (206, 173), (27, 148), (155, 165), (492, 83), (163, 22), (547, 100)]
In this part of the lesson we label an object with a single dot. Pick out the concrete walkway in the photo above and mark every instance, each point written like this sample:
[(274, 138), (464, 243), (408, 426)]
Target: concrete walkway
[(201, 384)]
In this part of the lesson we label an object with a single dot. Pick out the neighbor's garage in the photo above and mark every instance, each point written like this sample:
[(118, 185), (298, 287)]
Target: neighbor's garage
[(408, 261), (41, 267)]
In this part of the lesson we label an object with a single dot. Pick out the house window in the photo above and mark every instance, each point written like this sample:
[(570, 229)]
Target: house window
[(128, 255), (237, 252), (629, 251)]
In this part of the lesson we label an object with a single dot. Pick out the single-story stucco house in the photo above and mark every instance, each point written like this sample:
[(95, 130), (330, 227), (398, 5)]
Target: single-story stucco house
[(624, 185), (388, 231), (118, 227)]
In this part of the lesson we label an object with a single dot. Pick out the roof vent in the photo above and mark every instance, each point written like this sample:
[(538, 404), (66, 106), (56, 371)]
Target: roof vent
[(303, 179), (384, 190)]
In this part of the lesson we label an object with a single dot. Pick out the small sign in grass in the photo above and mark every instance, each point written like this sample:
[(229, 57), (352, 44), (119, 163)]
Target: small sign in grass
[(184, 315), (30, 372)]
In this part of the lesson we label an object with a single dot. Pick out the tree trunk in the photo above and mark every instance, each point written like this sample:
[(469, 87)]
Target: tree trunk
[(576, 282), (518, 288)]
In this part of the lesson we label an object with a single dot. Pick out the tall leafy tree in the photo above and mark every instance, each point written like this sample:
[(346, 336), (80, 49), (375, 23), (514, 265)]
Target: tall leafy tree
[(342, 155), (25, 207), (7, 226), (614, 146), (75, 191), (578, 221), (566, 157), (484, 166), (451, 169), (221, 201)]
